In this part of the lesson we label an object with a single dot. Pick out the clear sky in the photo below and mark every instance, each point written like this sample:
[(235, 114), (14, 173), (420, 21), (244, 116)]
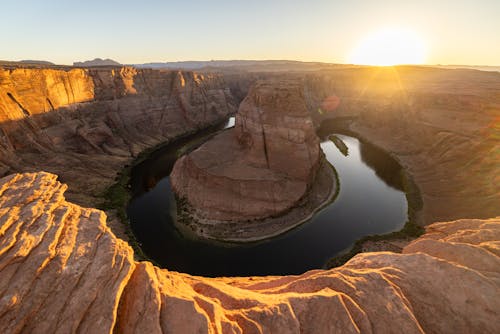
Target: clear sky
[(453, 31)]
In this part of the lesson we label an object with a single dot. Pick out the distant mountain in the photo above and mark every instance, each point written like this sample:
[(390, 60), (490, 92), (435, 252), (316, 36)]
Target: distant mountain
[(247, 65), (193, 65), (97, 62), (36, 62)]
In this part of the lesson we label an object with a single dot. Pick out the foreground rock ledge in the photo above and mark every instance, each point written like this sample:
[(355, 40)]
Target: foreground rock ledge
[(62, 270)]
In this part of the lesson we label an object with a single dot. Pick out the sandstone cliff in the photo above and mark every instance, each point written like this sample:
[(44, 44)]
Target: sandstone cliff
[(442, 125), (262, 168), (85, 124), (96, 62), (62, 270)]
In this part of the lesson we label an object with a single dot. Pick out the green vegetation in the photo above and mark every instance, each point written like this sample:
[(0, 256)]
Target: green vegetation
[(116, 199), (340, 144), (117, 196)]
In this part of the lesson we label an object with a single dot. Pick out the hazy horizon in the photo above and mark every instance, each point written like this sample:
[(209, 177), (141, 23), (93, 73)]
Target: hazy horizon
[(235, 60), (131, 32)]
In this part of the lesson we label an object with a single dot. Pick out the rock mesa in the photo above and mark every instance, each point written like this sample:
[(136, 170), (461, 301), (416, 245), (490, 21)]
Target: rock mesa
[(262, 168)]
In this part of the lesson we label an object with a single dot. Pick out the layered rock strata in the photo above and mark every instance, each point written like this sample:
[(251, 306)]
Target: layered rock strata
[(443, 126), (62, 270), (86, 124), (264, 167)]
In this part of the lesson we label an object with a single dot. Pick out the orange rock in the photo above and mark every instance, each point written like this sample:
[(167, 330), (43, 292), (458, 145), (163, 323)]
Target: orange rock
[(263, 168), (86, 124), (63, 270)]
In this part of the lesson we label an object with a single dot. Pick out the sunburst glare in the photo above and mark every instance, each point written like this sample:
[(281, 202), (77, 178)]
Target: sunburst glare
[(389, 47)]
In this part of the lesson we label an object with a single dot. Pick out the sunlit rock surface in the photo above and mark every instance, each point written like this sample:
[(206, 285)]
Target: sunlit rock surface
[(85, 124), (63, 270), (442, 125)]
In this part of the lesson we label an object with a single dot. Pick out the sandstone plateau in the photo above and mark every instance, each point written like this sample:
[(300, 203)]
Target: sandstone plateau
[(86, 124), (62, 270), (263, 168), (443, 126)]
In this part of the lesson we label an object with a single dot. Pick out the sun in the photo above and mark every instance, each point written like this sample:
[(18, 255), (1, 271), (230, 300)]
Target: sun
[(389, 47)]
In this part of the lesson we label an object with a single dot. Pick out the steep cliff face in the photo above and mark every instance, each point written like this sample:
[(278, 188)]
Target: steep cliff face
[(85, 124), (442, 125), (262, 168), (274, 128), (63, 270)]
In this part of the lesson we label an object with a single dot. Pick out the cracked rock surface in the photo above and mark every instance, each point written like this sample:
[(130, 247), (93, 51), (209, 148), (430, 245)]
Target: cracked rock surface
[(62, 270)]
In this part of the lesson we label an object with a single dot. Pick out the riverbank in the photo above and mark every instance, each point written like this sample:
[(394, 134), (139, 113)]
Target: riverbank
[(394, 241), (323, 191), (120, 193), (114, 200)]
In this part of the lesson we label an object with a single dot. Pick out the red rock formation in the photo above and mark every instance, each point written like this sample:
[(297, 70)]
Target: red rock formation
[(262, 168), (63, 270), (443, 126), (85, 125), (274, 128)]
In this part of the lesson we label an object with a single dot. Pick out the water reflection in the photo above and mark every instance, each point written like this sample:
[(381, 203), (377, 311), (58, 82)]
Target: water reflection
[(369, 202), (386, 168)]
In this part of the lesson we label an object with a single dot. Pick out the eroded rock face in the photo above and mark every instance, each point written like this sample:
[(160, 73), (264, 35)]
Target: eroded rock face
[(441, 125), (274, 128), (85, 124), (63, 270), (261, 168)]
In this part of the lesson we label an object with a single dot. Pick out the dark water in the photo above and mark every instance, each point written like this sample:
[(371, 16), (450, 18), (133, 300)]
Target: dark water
[(370, 201)]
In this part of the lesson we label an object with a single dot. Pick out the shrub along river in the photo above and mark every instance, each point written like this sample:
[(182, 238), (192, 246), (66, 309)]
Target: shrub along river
[(370, 201)]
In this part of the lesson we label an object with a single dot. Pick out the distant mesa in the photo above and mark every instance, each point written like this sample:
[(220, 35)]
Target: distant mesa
[(36, 62), (28, 63), (240, 65), (97, 62)]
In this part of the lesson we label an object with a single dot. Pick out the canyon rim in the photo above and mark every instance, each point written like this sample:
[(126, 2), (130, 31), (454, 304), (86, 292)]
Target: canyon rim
[(64, 270)]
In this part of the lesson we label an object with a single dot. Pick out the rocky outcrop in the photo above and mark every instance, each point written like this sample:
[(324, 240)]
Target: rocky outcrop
[(86, 124), (63, 270), (262, 168), (96, 62), (441, 125)]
